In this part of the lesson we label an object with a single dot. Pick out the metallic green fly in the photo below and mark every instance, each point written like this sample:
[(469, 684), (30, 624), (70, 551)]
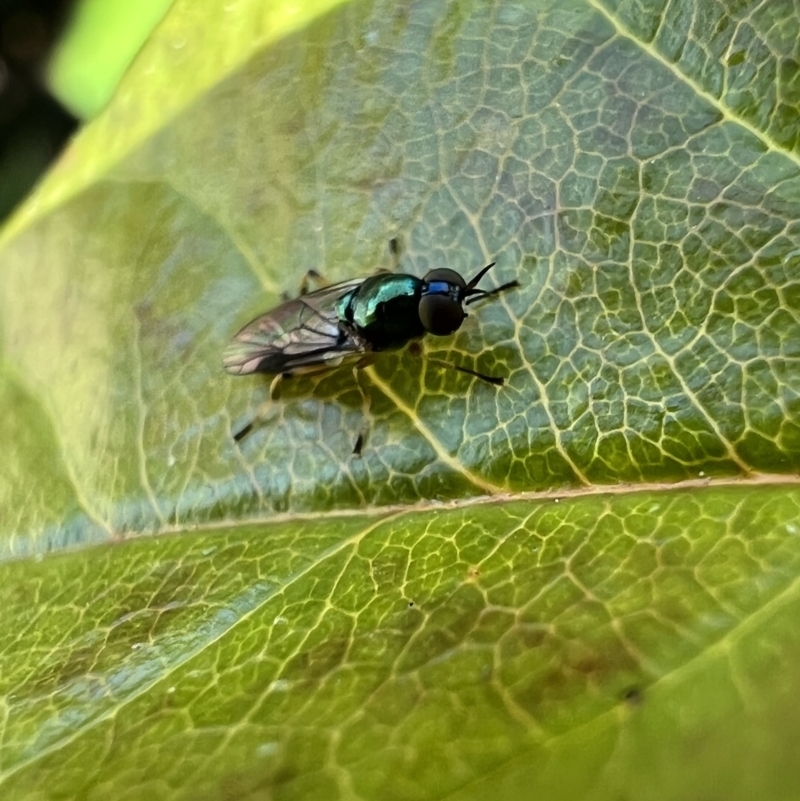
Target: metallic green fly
[(350, 322)]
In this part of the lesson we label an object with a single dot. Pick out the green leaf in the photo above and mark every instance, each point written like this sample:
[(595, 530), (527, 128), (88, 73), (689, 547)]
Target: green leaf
[(506, 596), (98, 45), (611, 646)]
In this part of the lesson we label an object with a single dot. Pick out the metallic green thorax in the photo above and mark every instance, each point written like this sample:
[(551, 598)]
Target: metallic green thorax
[(384, 310)]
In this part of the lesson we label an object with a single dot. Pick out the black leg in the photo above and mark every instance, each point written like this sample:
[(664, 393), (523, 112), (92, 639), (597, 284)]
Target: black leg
[(364, 361), (394, 253), (305, 283), (415, 349), (274, 394), (497, 380), (243, 432), (311, 275)]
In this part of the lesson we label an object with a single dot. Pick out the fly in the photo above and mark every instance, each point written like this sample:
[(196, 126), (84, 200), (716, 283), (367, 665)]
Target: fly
[(349, 322)]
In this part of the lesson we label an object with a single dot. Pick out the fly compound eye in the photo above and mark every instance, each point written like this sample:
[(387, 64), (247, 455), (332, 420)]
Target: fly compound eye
[(446, 275), (440, 315)]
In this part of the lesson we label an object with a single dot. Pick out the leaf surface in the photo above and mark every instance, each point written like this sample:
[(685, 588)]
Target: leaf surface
[(310, 625)]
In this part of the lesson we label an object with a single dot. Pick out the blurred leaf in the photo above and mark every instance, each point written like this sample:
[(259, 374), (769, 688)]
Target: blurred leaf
[(637, 170), (97, 47)]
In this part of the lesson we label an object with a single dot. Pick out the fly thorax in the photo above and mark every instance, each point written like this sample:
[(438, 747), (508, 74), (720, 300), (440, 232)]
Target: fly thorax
[(384, 310)]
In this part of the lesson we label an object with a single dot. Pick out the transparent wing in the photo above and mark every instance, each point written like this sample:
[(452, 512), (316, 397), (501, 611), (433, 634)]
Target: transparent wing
[(301, 335)]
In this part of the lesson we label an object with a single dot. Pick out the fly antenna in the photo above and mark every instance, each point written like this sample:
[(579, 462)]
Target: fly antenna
[(474, 282), (481, 294)]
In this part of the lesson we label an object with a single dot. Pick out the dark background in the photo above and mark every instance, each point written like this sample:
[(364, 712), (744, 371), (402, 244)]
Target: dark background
[(33, 126)]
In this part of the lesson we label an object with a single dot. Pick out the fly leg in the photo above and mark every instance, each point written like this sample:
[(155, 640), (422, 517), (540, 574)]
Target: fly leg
[(274, 394), (363, 362), (305, 283), (275, 386), (311, 275), (416, 350), (394, 252), (497, 380)]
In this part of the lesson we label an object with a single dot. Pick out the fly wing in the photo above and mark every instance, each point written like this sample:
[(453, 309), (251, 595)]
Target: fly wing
[(301, 335)]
